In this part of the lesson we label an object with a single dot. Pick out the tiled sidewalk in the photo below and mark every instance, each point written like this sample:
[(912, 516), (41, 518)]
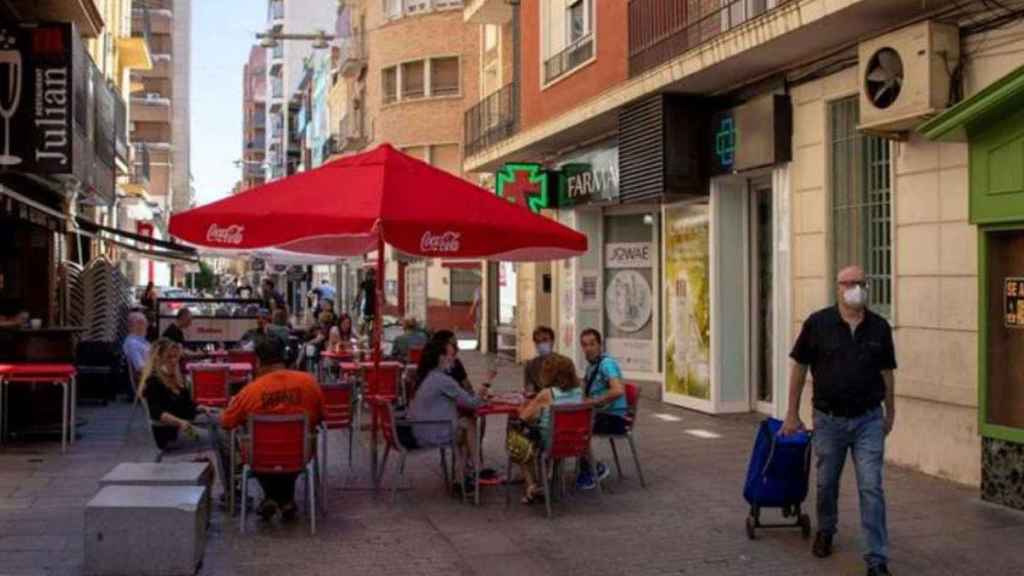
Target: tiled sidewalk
[(688, 521)]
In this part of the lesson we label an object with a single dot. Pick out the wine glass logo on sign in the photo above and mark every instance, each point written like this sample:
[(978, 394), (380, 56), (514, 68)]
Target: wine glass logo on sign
[(10, 91)]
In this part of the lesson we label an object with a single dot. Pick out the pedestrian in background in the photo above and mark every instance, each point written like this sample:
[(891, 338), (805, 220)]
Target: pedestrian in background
[(850, 353)]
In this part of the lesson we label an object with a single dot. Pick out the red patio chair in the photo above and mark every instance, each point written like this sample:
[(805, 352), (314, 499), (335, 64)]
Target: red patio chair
[(384, 415), (280, 444), (242, 357), (632, 400), (382, 382), (571, 428), (210, 384), (338, 415)]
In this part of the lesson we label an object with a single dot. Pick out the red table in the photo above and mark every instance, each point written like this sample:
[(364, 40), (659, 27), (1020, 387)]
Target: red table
[(236, 369), (60, 374), (507, 404)]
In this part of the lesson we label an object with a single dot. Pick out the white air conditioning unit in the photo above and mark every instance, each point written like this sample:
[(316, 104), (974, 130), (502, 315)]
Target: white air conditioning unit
[(905, 76)]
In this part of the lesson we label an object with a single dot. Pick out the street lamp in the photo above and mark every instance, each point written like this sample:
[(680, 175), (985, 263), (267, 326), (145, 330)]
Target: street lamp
[(271, 39)]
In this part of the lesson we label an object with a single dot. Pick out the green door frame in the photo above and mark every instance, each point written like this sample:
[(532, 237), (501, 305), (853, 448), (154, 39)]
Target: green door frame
[(987, 429)]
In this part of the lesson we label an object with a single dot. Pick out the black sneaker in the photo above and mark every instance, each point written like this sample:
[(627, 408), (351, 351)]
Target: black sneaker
[(880, 570), (823, 545)]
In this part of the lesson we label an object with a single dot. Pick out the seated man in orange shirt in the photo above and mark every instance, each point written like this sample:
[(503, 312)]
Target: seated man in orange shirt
[(276, 391)]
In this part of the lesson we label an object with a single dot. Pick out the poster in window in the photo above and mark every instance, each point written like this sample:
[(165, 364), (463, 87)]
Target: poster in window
[(687, 322), (628, 301), (589, 299), (1015, 302)]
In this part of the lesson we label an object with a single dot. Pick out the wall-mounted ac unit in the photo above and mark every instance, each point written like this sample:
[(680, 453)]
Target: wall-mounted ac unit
[(905, 76)]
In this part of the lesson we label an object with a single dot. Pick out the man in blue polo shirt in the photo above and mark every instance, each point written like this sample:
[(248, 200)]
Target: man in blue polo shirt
[(604, 389)]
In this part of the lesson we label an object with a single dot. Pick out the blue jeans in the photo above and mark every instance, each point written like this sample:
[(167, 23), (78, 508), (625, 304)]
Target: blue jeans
[(864, 437)]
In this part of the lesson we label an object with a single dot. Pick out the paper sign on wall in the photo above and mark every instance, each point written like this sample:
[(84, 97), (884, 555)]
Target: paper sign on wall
[(1014, 302)]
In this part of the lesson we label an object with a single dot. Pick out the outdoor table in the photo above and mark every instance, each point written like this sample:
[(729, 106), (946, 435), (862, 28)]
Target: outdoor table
[(507, 404), (60, 374), (237, 370)]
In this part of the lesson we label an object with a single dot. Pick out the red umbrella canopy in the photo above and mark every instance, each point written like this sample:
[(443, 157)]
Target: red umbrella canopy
[(345, 207)]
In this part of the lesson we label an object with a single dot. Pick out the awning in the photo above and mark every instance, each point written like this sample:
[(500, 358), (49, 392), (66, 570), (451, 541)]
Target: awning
[(143, 245), (1001, 97)]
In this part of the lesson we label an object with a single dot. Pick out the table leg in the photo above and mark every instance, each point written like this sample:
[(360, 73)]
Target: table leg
[(64, 418), (74, 406), (373, 449), (3, 412), (479, 457)]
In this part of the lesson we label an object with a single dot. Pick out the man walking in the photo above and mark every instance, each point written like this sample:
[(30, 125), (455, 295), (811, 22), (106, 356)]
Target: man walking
[(849, 350)]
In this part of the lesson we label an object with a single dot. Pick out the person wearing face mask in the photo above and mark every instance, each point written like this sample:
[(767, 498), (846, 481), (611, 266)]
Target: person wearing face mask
[(544, 342), (438, 399), (849, 351)]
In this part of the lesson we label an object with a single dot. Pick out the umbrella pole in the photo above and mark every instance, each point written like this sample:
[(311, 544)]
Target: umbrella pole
[(378, 332)]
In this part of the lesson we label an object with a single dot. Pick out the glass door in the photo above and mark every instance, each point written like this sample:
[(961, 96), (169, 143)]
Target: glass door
[(762, 297)]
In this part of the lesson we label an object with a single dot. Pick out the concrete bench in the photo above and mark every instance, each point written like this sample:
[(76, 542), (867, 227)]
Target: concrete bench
[(146, 530), (162, 474)]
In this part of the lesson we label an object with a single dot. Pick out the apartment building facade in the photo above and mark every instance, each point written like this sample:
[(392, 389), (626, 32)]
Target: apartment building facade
[(285, 69), (726, 159), (407, 70), (254, 119)]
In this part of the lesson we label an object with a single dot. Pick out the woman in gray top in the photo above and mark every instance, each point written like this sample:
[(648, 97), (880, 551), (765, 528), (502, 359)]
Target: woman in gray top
[(437, 399)]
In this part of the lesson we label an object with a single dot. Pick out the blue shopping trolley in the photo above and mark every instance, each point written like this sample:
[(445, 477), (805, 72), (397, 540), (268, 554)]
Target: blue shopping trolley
[(778, 476)]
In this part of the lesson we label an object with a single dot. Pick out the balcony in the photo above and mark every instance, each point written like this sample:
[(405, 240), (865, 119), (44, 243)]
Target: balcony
[(572, 57), (86, 14), (152, 107), (275, 13), (353, 55), (659, 30), (352, 132), (139, 175), (487, 12), (492, 120)]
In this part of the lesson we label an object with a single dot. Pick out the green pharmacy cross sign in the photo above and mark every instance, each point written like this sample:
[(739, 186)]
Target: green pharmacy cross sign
[(725, 141), (525, 185)]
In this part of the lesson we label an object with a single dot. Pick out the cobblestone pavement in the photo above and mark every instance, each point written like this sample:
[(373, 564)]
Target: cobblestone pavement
[(688, 521)]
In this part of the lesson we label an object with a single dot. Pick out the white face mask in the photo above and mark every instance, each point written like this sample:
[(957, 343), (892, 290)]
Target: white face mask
[(855, 297), (544, 348)]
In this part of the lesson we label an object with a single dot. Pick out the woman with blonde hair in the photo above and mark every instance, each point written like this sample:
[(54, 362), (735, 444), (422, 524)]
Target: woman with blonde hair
[(179, 425), (560, 385)]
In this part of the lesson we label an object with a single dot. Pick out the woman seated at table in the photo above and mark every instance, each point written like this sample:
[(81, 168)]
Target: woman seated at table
[(341, 338), (316, 340), (179, 425), (560, 386), (438, 397)]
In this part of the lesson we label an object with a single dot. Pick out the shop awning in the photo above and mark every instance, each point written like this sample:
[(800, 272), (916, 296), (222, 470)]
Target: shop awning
[(1001, 97), (143, 245)]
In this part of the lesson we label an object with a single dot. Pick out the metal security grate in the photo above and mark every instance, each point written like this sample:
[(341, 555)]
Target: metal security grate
[(861, 186)]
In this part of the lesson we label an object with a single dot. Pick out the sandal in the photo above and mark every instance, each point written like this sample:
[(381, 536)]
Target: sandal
[(532, 497)]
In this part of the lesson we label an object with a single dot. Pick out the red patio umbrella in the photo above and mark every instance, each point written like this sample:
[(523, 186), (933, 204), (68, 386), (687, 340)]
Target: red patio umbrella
[(358, 204)]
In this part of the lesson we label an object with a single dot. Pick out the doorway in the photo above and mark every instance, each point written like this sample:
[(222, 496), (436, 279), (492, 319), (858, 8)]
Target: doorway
[(762, 297)]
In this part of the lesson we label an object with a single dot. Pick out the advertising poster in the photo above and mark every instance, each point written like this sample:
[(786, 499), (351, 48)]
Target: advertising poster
[(590, 299), (1015, 302), (416, 293), (688, 317), (629, 302)]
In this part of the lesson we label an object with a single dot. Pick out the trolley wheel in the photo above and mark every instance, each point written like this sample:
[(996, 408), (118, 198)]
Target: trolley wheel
[(750, 528), (805, 526)]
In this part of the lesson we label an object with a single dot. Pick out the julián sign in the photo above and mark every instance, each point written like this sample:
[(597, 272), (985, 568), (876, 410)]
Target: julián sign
[(36, 98)]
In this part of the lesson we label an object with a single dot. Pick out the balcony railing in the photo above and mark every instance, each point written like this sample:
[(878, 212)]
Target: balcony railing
[(492, 120), (352, 131), (569, 59), (660, 30), (142, 23), (140, 165), (353, 55)]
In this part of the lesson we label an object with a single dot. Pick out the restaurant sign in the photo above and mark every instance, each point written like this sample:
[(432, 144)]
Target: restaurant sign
[(36, 98)]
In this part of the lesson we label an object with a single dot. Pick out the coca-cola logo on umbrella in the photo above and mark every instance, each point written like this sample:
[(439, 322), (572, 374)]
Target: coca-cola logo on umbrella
[(227, 235), (445, 243)]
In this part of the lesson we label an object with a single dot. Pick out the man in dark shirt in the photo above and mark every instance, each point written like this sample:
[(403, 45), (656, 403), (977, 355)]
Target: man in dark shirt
[(366, 300), (849, 350), (176, 331), (272, 299)]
